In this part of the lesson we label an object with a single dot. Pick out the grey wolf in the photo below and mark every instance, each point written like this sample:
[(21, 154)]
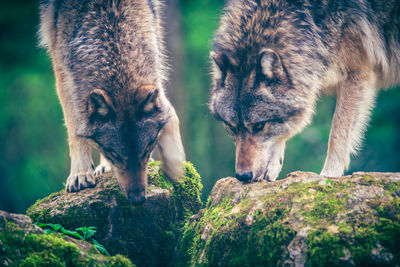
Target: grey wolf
[(110, 73), (273, 58)]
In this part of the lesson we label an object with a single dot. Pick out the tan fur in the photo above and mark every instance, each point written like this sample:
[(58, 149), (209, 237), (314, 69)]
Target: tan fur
[(356, 91), (109, 63), (171, 148)]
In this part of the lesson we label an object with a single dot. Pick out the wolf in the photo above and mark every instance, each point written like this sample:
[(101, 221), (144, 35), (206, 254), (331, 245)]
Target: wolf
[(271, 60), (110, 69)]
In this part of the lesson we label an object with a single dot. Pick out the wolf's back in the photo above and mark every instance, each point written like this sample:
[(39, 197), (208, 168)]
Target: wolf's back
[(105, 42), (314, 27)]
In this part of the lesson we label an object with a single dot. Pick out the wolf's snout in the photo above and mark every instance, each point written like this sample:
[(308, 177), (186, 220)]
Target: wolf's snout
[(136, 197), (133, 183), (245, 176)]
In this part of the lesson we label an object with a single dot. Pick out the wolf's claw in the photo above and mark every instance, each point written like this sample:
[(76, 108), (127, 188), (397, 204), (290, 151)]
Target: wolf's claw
[(102, 168), (80, 181)]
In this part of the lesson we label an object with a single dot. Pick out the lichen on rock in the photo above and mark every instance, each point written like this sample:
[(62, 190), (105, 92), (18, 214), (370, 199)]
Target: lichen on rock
[(24, 244), (303, 220), (147, 233)]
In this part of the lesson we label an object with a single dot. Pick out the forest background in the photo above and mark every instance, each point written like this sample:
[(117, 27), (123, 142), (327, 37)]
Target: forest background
[(34, 159)]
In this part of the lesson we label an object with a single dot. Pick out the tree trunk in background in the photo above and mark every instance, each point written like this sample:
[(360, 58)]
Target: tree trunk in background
[(174, 45)]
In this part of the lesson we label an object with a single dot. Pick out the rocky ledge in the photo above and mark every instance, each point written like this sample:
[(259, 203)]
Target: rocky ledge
[(24, 244), (302, 220), (147, 233)]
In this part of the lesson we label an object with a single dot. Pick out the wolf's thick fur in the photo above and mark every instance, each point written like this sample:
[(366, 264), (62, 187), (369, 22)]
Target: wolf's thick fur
[(110, 72), (273, 58)]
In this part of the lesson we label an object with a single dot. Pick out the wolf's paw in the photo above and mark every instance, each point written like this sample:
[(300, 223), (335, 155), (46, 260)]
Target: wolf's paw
[(257, 179), (272, 173), (102, 168), (332, 172), (79, 181), (174, 171)]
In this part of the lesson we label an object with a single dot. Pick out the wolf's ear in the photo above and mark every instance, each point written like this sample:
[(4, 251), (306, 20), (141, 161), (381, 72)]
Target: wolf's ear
[(221, 60), (100, 104), (271, 65), (146, 98)]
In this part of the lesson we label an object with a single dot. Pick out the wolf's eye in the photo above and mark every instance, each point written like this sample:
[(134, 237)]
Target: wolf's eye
[(258, 127)]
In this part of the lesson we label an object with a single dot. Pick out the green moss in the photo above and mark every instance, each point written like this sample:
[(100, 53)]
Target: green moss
[(10, 226), (186, 193), (43, 213), (367, 180), (357, 237), (230, 241), (191, 244), (324, 248), (223, 236), (147, 233), (21, 249), (185, 199), (389, 236), (119, 261), (393, 187), (54, 246), (156, 177), (326, 203), (43, 258)]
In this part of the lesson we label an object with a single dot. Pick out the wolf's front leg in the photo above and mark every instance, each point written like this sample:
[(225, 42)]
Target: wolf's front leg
[(171, 148), (355, 98), (82, 169)]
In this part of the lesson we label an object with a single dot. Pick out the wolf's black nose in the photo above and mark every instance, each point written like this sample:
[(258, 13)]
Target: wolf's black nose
[(137, 198), (244, 177)]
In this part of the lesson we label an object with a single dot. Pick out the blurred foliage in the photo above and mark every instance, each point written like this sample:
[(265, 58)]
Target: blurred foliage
[(34, 159), (206, 143), (33, 139)]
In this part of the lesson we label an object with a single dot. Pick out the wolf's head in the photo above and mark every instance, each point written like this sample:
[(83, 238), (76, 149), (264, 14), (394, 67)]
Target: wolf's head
[(126, 133), (260, 107)]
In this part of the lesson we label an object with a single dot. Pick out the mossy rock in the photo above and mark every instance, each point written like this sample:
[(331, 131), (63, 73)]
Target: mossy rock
[(24, 244), (303, 220), (147, 233)]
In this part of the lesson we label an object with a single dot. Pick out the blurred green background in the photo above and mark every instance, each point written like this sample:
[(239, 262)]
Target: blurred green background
[(34, 156)]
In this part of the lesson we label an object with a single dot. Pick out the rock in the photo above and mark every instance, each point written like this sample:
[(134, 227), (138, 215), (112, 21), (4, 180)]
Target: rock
[(302, 220), (24, 244), (146, 233)]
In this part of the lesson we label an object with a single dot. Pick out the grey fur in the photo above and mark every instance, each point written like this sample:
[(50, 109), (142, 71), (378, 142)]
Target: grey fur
[(273, 58), (108, 58)]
